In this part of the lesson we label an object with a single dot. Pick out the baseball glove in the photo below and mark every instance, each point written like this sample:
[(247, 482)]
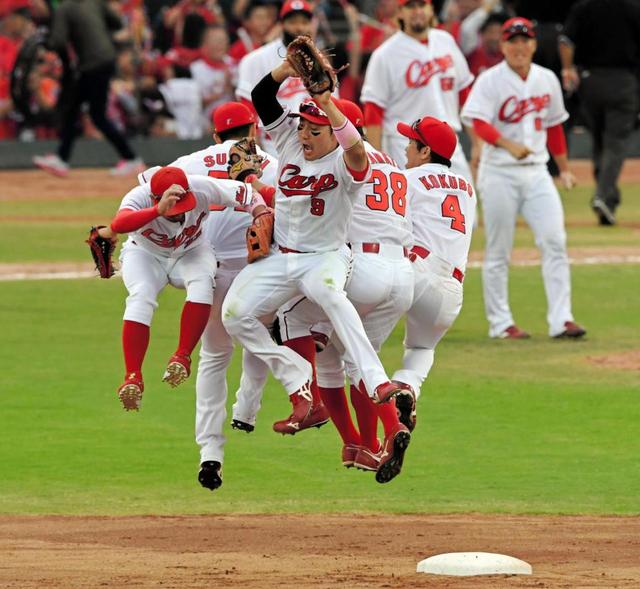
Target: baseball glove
[(259, 236), (244, 160), (101, 251), (311, 65)]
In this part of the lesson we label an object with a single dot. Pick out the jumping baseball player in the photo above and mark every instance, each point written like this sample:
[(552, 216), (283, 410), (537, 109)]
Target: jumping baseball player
[(516, 107), (166, 246), (443, 208), (297, 19), (225, 230), (322, 164), (380, 288), (417, 69)]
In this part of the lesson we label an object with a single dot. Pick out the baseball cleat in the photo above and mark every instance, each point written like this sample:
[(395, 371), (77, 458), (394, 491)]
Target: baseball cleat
[(242, 425), (572, 330), (406, 405), (210, 475), (385, 392), (130, 392), (513, 332), (368, 460), (302, 401), (392, 454), (349, 452), (178, 370)]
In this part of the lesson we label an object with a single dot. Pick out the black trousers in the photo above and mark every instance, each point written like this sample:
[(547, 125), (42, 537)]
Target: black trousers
[(91, 87), (609, 102)]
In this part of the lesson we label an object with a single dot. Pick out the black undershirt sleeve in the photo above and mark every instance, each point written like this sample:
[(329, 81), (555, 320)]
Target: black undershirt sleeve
[(264, 100)]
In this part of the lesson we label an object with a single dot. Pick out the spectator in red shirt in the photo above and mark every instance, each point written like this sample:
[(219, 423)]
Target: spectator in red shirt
[(174, 17), (488, 53), (373, 34), (15, 26), (258, 20)]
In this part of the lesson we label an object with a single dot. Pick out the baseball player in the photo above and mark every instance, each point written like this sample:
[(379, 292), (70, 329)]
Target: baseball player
[(416, 69), (225, 230), (297, 19), (516, 107), (165, 221), (322, 164), (443, 208), (381, 289)]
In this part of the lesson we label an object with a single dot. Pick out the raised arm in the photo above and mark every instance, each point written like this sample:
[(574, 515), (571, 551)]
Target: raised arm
[(264, 94)]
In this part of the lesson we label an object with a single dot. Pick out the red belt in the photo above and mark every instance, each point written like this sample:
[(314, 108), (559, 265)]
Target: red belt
[(374, 248), (424, 253)]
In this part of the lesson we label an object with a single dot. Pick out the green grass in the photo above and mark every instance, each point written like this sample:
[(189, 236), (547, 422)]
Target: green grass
[(519, 427), (55, 239)]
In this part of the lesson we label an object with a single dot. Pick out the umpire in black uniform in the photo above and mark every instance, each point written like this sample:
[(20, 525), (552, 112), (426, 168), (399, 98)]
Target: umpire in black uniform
[(602, 39)]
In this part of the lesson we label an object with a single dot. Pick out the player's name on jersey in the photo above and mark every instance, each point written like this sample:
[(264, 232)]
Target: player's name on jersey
[(446, 181)]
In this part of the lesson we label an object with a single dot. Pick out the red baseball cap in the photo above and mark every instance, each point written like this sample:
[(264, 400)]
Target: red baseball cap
[(295, 6), (439, 136), (518, 26), (231, 115), (312, 112), (403, 2), (352, 111), (166, 177)]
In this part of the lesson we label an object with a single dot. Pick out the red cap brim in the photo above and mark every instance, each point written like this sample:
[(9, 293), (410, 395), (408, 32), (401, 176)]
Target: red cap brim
[(407, 131), (185, 204), (312, 119)]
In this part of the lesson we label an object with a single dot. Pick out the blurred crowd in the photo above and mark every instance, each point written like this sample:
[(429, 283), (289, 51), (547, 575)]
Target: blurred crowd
[(177, 61)]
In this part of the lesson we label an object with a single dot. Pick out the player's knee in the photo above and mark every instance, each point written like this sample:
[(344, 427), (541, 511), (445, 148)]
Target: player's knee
[(141, 305), (332, 299), (552, 243), (200, 290), (236, 322), (215, 359)]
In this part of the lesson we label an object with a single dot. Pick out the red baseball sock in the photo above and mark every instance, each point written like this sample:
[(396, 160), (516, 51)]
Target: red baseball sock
[(388, 416), (192, 323), (306, 347), (135, 341), (367, 417), (335, 401)]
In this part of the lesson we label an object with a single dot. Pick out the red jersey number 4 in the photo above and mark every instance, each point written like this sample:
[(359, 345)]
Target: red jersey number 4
[(451, 210)]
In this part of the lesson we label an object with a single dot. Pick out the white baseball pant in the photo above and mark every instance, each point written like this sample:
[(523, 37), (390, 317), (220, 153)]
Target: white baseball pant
[(145, 275), (264, 286), (506, 191), (437, 300), (211, 383), (381, 290)]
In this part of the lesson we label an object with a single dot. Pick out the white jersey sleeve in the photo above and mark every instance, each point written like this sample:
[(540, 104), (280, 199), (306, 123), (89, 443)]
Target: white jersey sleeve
[(481, 101), (557, 113), (228, 193), (138, 198), (283, 132)]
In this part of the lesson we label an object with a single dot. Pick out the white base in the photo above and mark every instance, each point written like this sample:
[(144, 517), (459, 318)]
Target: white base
[(468, 564)]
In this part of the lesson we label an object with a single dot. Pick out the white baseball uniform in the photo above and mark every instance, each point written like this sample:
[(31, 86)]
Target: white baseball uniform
[(443, 209), (165, 252), (254, 66), (381, 283), (521, 110), (214, 78), (314, 202), (225, 230), (410, 80)]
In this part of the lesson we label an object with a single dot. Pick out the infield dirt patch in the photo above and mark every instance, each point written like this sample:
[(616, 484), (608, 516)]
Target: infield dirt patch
[(319, 551)]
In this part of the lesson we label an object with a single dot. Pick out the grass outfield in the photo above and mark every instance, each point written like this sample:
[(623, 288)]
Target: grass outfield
[(59, 235), (520, 427)]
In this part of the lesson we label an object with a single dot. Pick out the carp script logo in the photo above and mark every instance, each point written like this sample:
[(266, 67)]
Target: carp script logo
[(291, 183), (514, 110), (186, 237), (419, 73)]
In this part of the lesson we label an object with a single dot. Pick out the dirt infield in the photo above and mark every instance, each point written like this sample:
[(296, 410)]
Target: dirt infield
[(319, 551)]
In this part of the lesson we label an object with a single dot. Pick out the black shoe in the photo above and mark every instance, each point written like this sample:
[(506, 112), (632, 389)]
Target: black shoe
[(242, 425), (606, 215), (210, 475)]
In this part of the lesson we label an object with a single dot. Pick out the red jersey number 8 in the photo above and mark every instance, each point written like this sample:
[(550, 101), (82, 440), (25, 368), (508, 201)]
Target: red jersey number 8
[(396, 183), (451, 210)]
